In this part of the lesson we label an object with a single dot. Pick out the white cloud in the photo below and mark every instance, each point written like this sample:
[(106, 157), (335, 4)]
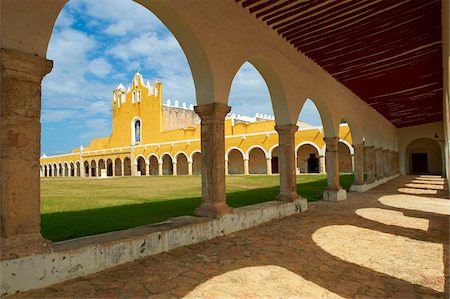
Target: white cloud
[(99, 67), (56, 115)]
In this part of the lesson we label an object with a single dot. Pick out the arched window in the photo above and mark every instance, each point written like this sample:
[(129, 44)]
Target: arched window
[(137, 131), (139, 95), (133, 96)]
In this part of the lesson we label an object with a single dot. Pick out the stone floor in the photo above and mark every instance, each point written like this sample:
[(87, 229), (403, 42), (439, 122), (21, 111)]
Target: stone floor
[(392, 241)]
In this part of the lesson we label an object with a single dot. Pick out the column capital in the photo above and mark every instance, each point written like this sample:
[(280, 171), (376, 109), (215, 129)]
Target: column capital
[(33, 67), (286, 129), (212, 112), (332, 143)]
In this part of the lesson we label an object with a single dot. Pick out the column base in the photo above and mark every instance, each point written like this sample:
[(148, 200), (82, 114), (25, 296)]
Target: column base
[(334, 195), (288, 197), (24, 245), (213, 210), (301, 203)]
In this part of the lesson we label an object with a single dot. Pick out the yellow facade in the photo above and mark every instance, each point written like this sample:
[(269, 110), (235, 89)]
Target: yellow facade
[(129, 151)]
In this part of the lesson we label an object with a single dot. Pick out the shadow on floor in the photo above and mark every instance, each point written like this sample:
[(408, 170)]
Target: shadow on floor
[(288, 243)]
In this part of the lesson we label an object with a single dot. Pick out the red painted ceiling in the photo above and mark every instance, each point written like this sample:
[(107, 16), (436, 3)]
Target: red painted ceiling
[(387, 52)]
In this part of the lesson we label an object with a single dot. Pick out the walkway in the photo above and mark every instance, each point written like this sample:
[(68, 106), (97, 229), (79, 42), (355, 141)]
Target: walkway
[(388, 242)]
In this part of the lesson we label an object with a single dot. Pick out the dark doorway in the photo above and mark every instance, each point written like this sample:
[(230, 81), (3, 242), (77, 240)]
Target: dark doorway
[(274, 164), (313, 164), (419, 163)]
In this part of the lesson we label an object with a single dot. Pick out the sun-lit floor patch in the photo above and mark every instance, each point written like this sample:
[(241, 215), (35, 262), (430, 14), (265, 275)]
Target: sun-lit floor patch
[(417, 191), (260, 282), (390, 217), (432, 182), (385, 253), (425, 186), (418, 203)]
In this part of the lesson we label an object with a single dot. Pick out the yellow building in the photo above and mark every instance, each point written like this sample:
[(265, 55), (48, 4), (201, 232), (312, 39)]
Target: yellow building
[(152, 138)]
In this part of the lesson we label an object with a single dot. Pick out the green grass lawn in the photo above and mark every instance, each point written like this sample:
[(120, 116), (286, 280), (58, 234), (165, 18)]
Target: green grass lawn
[(77, 207)]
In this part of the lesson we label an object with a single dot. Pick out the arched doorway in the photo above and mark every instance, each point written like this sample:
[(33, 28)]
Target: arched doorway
[(274, 158), (235, 162), (50, 172), (78, 170), (66, 169), (60, 169), (126, 166), (182, 164), (197, 163), (153, 160), (424, 156), (141, 165), (257, 161), (308, 159), (45, 171), (117, 167), (93, 168), (167, 165), (109, 167), (72, 169), (101, 166), (345, 158), (86, 168)]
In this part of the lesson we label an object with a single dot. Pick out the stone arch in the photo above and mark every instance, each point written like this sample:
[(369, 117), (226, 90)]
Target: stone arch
[(49, 167), (167, 164), (101, 166), (141, 165), (196, 158), (273, 152), (55, 169), (72, 169), (326, 117), (65, 169), (244, 156), (109, 167), (308, 157), (60, 169), (153, 164), (345, 157), (78, 169), (182, 163), (93, 168), (257, 160), (86, 169), (126, 166), (235, 161), (275, 86), (118, 167), (423, 156), (45, 170)]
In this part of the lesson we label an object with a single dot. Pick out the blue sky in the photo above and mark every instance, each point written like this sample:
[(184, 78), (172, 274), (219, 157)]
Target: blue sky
[(98, 44)]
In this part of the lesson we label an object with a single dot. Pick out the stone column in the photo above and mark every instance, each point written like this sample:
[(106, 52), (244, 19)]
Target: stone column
[(322, 165), (133, 168), (213, 163), (397, 161), (379, 174), (269, 165), (160, 168), (246, 172), (286, 162), (370, 161), (386, 164), (20, 134), (334, 191), (190, 168), (226, 167), (122, 169), (358, 168), (174, 168)]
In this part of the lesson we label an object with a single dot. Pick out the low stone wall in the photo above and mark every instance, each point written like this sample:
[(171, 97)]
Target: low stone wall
[(367, 187), (78, 257)]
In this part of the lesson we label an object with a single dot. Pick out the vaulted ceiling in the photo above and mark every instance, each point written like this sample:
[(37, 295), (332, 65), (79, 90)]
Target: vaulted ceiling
[(388, 52)]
